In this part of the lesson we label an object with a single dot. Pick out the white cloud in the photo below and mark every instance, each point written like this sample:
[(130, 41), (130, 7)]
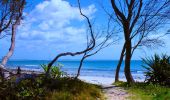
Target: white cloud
[(55, 21)]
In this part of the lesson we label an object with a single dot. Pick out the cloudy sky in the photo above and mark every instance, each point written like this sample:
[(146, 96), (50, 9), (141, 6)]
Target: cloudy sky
[(54, 26)]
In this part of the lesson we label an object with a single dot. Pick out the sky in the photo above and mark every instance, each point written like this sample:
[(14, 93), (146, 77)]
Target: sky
[(50, 27)]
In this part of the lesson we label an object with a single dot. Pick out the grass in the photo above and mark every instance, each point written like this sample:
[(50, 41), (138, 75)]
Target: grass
[(57, 86), (38, 88), (76, 90), (144, 91)]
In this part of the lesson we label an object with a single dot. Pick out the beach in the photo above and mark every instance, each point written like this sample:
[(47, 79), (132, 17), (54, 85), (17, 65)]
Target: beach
[(99, 80), (103, 80), (96, 72), (93, 71)]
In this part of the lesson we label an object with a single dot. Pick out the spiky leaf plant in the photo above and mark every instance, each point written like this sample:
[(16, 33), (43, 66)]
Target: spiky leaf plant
[(158, 69)]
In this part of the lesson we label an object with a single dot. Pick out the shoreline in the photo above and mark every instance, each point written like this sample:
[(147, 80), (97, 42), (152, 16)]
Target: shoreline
[(104, 80), (99, 80)]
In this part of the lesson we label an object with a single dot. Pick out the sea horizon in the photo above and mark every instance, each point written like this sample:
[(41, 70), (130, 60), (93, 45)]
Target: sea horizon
[(70, 60)]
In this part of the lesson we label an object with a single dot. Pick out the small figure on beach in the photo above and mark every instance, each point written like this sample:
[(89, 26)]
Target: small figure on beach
[(19, 70)]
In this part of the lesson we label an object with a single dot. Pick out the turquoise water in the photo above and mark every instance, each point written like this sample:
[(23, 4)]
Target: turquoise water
[(105, 68)]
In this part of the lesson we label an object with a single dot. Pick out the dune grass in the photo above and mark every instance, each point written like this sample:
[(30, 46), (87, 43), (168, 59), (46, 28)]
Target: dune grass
[(144, 91), (76, 90), (39, 88), (56, 86)]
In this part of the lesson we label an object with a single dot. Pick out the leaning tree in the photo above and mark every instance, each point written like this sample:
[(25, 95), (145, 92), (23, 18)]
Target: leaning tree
[(11, 15), (96, 41), (107, 40)]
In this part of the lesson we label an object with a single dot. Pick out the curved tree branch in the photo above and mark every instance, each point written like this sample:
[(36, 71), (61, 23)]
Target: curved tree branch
[(92, 42)]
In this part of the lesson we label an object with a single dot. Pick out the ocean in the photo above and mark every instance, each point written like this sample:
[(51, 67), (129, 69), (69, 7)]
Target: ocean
[(101, 68)]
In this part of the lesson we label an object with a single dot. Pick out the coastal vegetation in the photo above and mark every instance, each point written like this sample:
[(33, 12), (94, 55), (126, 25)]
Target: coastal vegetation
[(157, 83), (145, 91), (138, 21), (158, 70), (11, 16), (50, 89), (57, 86)]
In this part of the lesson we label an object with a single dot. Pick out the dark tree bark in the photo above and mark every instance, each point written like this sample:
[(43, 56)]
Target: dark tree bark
[(6, 15), (101, 45), (127, 27), (127, 71), (119, 64), (90, 47), (65, 54), (138, 19), (80, 65)]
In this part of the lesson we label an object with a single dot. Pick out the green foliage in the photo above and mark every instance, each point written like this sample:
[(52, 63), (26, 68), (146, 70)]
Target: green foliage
[(56, 87), (38, 87), (30, 88), (22, 88), (145, 91), (158, 69), (163, 96), (55, 71), (44, 67), (72, 89)]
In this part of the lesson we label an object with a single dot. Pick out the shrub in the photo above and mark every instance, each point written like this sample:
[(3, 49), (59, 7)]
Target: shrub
[(74, 89), (58, 86), (38, 88), (22, 88), (158, 69), (55, 71), (44, 67), (145, 91)]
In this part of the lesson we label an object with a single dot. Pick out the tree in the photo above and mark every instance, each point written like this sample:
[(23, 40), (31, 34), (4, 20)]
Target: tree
[(93, 46), (88, 48), (119, 63), (15, 7), (6, 15), (98, 47), (138, 19)]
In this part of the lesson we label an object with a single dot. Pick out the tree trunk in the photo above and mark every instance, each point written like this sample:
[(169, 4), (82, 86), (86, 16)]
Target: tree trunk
[(127, 71), (119, 64), (81, 63), (12, 46), (63, 54), (52, 62)]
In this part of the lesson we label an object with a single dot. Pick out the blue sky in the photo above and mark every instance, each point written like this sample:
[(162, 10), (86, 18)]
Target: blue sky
[(54, 26)]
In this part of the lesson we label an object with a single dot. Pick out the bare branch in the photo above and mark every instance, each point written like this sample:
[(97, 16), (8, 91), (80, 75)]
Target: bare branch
[(92, 43)]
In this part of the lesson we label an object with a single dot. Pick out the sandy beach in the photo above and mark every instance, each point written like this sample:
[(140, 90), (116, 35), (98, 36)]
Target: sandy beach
[(111, 92), (99, 80), (102, 80)]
